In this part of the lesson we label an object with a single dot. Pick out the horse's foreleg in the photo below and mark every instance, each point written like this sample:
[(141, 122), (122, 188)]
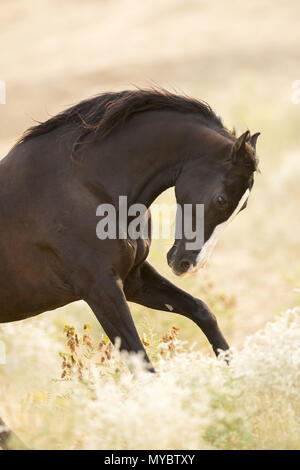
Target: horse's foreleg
[(147, 287), (108, 302)]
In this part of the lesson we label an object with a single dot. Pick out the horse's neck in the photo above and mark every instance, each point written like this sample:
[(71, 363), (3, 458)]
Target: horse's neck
[(151, 155), (158, 143), (142, 164), (161, 181)]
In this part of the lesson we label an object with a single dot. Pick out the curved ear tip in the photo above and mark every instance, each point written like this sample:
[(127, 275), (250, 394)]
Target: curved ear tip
[(253, 139), (246, 136)]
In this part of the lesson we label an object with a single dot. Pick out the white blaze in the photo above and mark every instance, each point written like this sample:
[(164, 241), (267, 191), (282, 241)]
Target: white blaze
[(210, 244)]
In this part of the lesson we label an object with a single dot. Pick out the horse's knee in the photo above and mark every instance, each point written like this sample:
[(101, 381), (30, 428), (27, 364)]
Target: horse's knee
[(204, 316)]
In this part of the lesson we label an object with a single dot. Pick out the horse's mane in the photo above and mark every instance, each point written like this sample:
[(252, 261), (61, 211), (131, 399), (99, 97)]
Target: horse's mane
[(105, 112)]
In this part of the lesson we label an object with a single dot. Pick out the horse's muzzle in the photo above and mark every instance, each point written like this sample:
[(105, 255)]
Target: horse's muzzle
[(181, 263)]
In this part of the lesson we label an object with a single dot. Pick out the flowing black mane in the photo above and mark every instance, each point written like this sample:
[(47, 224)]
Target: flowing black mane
[(103, 113)]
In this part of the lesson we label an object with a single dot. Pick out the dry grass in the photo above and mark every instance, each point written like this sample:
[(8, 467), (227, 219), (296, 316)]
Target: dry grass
[(194, 401)]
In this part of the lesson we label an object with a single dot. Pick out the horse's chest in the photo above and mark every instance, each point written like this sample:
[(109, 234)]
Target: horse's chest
[(140, 249), (141, 243)]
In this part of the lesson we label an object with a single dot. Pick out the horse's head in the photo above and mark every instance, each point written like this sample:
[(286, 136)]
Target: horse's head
[(220, 180)]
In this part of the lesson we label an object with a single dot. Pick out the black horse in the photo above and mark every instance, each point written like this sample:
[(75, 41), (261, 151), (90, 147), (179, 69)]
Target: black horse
[(133, 143)]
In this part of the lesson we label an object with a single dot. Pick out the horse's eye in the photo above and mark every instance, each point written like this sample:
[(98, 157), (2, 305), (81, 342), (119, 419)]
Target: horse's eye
[(221, 201)]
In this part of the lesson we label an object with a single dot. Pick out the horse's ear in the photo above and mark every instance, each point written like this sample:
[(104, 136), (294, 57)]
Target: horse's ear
[(239, 146), (253, 140)]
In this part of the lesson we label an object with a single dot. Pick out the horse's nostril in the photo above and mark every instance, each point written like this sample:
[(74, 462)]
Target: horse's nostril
[(184, 265)]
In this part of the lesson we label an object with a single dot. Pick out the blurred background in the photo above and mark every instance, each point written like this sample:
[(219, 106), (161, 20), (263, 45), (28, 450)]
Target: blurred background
[(240, 57)]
